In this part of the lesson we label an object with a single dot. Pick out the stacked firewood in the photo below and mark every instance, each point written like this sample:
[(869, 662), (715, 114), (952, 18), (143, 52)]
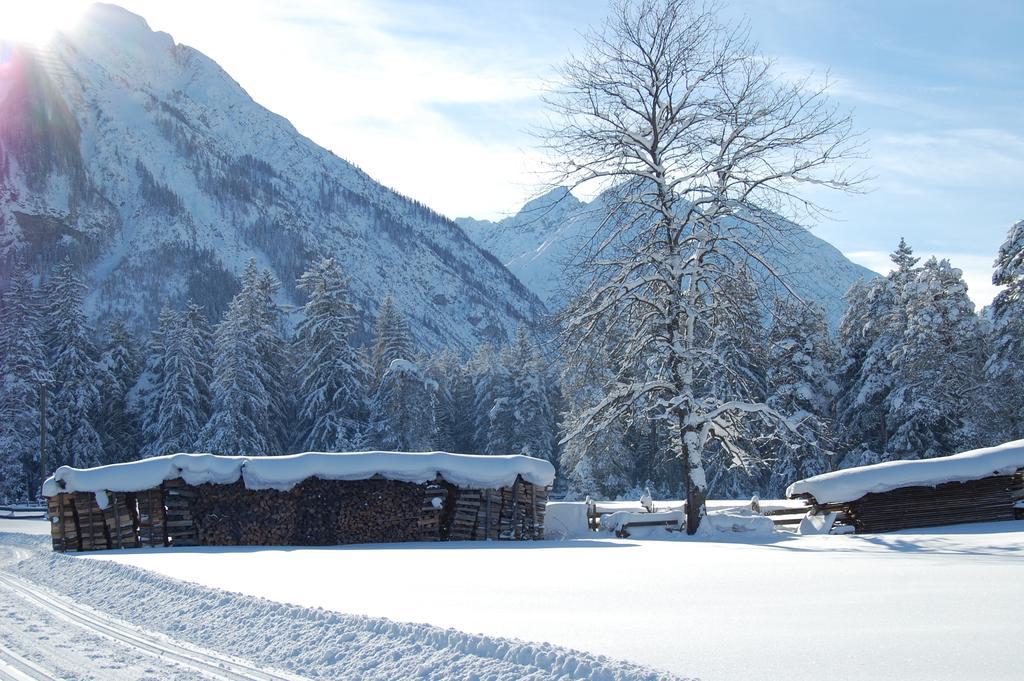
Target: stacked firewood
[(179, 526), (334, 512), (950, 503), (231, 515), (1017, 494), (313, 513), (515, 512), (63, 528), (119, 516), (428, 523), (149, 505), (92, 527)]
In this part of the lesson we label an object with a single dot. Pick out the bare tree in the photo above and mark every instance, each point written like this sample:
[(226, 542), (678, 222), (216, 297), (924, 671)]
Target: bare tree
[(705, 147)]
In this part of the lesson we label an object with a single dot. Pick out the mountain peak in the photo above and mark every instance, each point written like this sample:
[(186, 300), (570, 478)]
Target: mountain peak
[(557, 200), (115, 21), (163, 178), (118, 38)]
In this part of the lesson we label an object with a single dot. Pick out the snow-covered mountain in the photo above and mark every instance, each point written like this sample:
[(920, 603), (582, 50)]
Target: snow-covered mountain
[(151, 167), (539, 241)]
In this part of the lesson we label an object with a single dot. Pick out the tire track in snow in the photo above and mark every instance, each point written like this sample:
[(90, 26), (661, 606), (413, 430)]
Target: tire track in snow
[(14, 667), (311, 641), (205, 662)]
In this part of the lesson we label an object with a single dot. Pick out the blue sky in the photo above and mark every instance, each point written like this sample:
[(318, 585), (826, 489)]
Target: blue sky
[(435, 98)]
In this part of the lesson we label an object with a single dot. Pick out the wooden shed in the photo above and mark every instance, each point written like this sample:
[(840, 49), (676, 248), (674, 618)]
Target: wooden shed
[(313, 499), (976, 486)]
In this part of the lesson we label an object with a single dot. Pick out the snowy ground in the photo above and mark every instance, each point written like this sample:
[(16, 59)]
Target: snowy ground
[(939, 604), (117, 622)]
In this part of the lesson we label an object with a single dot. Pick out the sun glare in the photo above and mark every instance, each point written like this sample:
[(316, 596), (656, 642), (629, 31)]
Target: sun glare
[(34, 22)]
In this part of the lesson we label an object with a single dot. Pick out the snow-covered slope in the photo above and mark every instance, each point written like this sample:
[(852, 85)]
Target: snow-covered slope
[(537, 243), (147, 163)]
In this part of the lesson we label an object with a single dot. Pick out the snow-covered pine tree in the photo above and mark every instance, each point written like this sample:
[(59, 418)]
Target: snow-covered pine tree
[(1005, 367), (872, 326), (201, 336), (74, 399), (275, 356), (521, 417), (690, 124), (24, 369), (391, 339), (119, 369), (937, 365), (739, 472), (179, 399), (144, 398), (445, 369), (403, 408), (800, 379), (246, 413), (595, 464), (333, 378), (487, 374)]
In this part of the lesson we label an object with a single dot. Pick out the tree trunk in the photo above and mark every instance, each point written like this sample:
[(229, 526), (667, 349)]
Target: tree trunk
[(696, 483)]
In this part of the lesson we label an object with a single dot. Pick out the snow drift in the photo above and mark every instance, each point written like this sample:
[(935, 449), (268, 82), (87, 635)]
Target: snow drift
[(853, 483), (284, 472)]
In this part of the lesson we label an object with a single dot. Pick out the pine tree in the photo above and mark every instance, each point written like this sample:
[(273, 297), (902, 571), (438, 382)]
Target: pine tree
[(24, 369), (801, 365), (1005, 367), (403, 408), (740, 341), (462, 406), (937, 364), (179, 400), (597, 465), (391, 340), (275, 357), (521, 418), (873, 325), (118, 372), (247, 409), (332, 374), (487, 375), (75, 397), (450, 423)]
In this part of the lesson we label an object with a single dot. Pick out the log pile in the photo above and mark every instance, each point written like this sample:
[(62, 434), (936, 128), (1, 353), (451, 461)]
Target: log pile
[(515, 512), (428, 524), (179, 527), (231, 515), (1017, 494), (149, 509), (63, 528), (313, 513), (92, 527), (952, 503), (119, 516)]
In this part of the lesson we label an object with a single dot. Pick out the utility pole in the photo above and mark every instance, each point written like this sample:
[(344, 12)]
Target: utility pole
[(42, 436)]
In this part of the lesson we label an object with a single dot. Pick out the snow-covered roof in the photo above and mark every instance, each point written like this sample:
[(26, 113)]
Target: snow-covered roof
[(853, 483), (284, 472)]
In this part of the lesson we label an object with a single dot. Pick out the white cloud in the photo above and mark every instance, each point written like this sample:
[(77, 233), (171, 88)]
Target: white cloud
[(951, 159)]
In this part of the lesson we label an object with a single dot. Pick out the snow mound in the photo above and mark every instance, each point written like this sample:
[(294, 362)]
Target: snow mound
[(311, 642), (566, 520), (853, 483), (284, 472)]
